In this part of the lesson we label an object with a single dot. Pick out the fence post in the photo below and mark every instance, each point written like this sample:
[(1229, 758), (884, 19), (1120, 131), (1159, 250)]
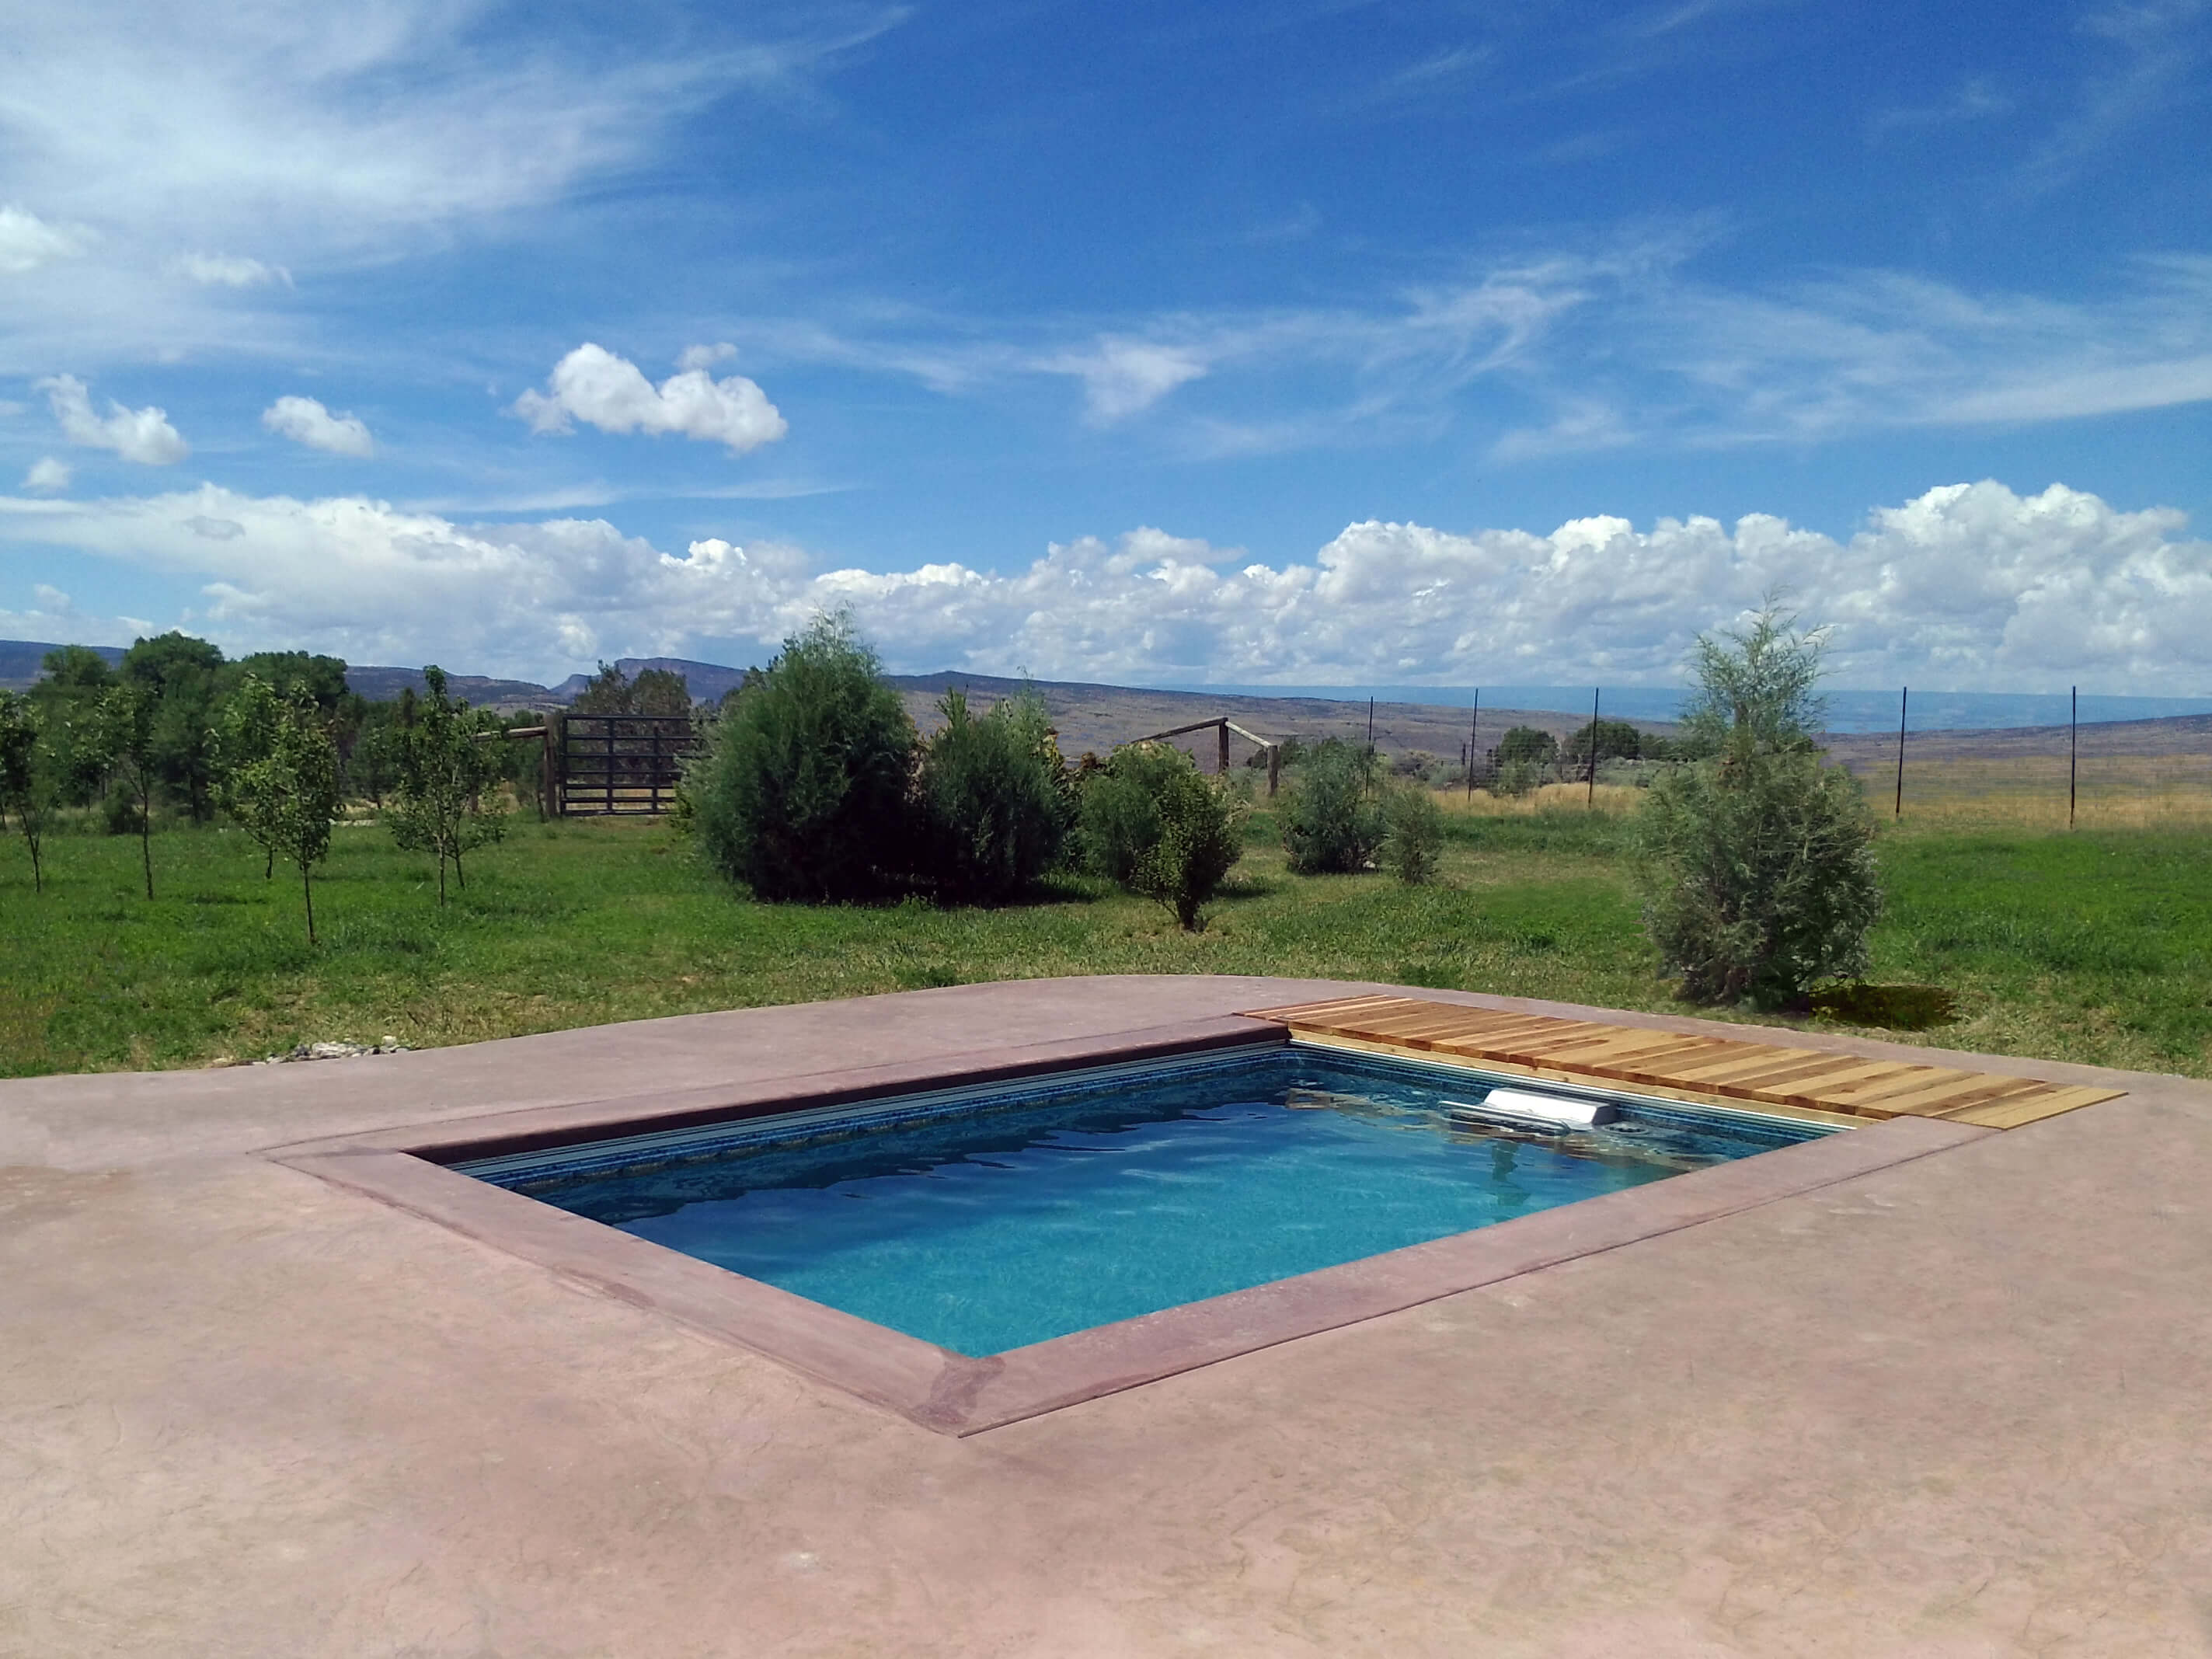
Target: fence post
[(1221, 767), (1903, 693), (1473, 720), (1274, 767), (556, 803), (2073, 750), (1590, 801)]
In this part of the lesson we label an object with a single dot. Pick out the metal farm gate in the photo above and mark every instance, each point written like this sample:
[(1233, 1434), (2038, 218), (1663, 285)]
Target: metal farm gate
[(616, 763)]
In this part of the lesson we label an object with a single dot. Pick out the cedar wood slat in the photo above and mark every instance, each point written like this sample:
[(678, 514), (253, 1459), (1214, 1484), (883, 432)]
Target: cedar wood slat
[(1686, 1066)]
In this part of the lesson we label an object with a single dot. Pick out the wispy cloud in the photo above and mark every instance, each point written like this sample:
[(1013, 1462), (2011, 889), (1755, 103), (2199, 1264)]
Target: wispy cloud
[(1975, 99), (2142, 56), (297, 139)]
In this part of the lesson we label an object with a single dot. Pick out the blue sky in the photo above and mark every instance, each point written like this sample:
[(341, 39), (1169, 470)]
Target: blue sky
[(1306, 345)]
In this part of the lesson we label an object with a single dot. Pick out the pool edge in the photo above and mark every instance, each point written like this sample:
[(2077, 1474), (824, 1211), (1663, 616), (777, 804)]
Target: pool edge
[(955, 1394)]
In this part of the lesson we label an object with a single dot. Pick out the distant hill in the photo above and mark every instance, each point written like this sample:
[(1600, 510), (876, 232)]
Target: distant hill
[(478, 691), (20, 660)]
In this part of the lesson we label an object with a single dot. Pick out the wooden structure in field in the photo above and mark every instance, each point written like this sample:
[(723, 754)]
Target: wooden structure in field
[(619, 765), (1680, 1066), (1222, 726)]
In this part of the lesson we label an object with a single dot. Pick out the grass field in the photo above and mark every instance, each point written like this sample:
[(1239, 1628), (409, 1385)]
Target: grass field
[(2095, 946)]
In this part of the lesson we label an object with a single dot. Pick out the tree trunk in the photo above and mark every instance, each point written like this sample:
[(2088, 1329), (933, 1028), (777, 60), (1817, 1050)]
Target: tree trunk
[(441, 880), (308, 892), (146, 839), (38, 880)]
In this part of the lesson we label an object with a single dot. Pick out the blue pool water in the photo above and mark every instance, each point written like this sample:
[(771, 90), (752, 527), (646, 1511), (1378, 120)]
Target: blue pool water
[(984, 1220)]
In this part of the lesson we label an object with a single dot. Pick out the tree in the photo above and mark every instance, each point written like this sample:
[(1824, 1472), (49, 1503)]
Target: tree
[(1527, 743), (1616, 739), (25, 792), (1333, 823), (66, 696), (323, 678), (442, 802), (1153, 823), (122, 740), (655, 692), (283, 778), (1757, 864), (803, 790), (995, 798), (183, 674), (251, 721)]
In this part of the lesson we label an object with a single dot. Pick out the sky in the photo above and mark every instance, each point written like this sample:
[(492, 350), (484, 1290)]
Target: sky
[(1291, 343)]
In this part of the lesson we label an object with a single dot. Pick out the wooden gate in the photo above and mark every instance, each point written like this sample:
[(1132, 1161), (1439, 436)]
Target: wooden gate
[(618, 763)]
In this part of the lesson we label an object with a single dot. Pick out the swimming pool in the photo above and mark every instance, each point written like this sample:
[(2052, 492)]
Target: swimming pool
[(988, 1218)]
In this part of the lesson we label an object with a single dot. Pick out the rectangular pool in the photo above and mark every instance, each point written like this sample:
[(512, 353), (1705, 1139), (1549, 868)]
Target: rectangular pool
[(991, 1218)]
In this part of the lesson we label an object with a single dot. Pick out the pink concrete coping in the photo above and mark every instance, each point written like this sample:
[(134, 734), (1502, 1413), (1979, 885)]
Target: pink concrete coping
[(954, 1394)]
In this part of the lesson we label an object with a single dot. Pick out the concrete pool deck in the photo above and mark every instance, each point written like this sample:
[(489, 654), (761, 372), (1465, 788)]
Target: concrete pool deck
[(1957, 1406)]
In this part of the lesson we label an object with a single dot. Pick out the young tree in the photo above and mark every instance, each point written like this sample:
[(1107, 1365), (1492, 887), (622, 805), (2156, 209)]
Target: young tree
[(1757, 864), (803, 791), (67, 694), (251, 722), (289, 792), (122, 740), (442, 803), (1333, 823), (26, 793)]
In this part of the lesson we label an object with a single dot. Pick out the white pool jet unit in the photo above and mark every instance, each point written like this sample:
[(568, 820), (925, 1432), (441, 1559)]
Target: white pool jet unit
[(1544, 1113)]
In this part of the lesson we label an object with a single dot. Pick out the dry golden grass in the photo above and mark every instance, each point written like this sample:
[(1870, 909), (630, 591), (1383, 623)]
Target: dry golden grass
[(1548, 798)]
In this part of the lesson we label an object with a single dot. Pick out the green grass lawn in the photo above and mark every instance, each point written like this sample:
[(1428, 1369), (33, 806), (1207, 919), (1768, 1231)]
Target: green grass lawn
[(2096, 946)]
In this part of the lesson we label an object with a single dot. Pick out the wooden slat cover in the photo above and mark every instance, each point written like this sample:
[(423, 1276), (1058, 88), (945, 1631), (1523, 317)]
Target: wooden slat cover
[(1687, 1067)]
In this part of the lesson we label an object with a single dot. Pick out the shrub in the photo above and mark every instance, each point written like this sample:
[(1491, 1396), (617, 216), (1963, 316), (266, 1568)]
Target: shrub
[(1517, 778), (1757, 865), (1616, 739), (802, 792), (1150, 822), (1413, 835), (1332, 824), (994, 798), (1526, 743)]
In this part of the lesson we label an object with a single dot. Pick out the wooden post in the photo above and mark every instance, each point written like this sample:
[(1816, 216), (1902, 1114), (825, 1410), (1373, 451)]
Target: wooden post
[(1222, 763), (2073, 751), (1903, 692), (1274, 768), (1590, 801), (557, 804), (1473, 722)]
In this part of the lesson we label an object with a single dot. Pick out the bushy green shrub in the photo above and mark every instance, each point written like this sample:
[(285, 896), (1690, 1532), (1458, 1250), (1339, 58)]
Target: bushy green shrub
[(1413, 834), (1332, 823), (994, 799), (803, 790), (1153, 824), (1526, 743), (1757, 865)]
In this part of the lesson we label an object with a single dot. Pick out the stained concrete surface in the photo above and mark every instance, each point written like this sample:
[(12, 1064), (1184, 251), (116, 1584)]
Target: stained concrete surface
[(1958, 1407)]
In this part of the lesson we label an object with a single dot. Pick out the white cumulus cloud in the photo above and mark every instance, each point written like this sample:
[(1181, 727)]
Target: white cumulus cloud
[(47, 476), (592, 385), (304, 421), (1966, 585), (143, 435), (27, 241)]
